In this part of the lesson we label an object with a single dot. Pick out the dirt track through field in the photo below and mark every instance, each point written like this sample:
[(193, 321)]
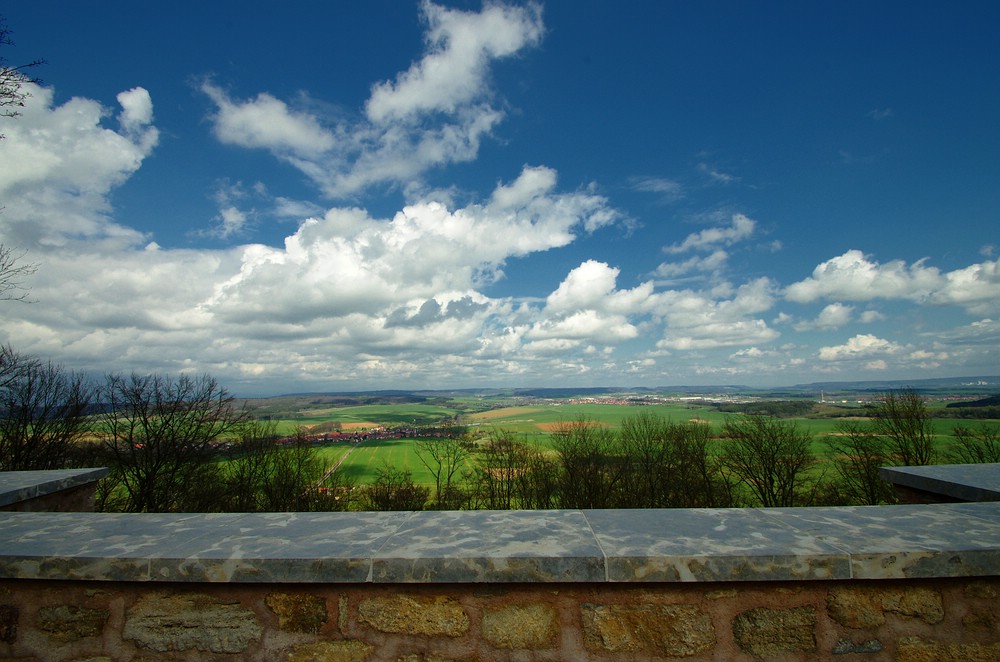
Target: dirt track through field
[(336, 465)]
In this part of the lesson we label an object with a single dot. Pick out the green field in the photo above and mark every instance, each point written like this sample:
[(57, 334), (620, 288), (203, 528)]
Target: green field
[(534, 422), (365, 416)]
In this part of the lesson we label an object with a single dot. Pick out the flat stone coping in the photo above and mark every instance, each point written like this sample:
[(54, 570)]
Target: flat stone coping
[(967, 482), (668, 545), (17, 486)]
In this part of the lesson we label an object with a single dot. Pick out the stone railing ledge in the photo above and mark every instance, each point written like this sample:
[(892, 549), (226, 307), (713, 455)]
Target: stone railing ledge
[(954, 482), (667, 545), (19, 486)]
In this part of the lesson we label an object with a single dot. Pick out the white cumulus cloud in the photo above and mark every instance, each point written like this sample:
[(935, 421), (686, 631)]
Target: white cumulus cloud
[(740, 228), (435, 113), (860, 346)]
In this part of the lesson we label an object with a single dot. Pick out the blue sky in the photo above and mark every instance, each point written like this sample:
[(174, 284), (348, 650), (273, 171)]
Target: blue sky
[(388, 194)]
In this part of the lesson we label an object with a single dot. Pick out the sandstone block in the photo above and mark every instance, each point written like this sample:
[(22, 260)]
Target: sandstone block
[(673, 630), (914, 649), (68, 623), (855, 607), (521, 626), (765, 631), (297, 612), (981, 590), (404, 614), (865, 607), (331, 651), (185, 622), (922, 603)]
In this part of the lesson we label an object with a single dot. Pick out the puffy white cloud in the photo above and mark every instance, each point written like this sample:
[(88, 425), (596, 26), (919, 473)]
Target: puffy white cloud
[(833, 316), (453, 72), (348, 261), (701, 320), (58, 163), (266, 122), (976, 287), (712, 263), (860, 346), (853, 276), (741, 228), (435, 113)]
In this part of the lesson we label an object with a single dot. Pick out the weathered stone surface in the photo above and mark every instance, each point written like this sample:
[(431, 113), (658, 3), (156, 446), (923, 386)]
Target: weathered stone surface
[(69, 623), (981, 590), (298, 612), (531, 626), (406, 614), (914, 649), (986, 620), (185, 622), (865, 607), (331, 651), (674, 630), (855, 607), (8, 623), (922, 603), (847, 647), (765, 631)]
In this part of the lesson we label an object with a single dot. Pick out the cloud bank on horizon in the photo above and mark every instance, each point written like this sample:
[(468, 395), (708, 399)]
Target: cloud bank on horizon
[(622, 278)]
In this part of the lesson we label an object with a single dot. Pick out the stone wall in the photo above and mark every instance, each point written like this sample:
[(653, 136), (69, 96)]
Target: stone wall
[(915, 620), (915, 583)]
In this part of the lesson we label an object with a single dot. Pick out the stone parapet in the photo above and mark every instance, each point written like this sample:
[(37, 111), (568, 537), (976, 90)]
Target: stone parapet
[(64, 490), (558, 546)]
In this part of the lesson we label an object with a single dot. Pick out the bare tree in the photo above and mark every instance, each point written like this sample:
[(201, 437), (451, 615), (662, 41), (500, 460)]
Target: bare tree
[(13, 274), (512, 473), (591, 468), (857, 453), (159, 434), (902, 419), (13, 78), (394, 489), (43, 414), (13, 271), (445, 458), (975, 445), (769, 455)]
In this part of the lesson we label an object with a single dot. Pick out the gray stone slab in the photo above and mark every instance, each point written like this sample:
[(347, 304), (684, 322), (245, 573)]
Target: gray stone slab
[(710, 544), (878, 542), (17, 486), (278, 547), (491, 546), (104, 546), (968, 482), (884, 542)]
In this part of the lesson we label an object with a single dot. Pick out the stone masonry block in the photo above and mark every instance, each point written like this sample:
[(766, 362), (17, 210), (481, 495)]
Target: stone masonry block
[(922, 603), (331, 651), (531, 626), (405, 614), (69, 623), (865, 607), (765, 631), (914, 649), (298, 612), (855, 607), (185, 622), (672, 630)]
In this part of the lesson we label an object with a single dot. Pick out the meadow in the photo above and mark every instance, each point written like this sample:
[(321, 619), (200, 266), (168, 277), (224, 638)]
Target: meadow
[(534, 423)]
